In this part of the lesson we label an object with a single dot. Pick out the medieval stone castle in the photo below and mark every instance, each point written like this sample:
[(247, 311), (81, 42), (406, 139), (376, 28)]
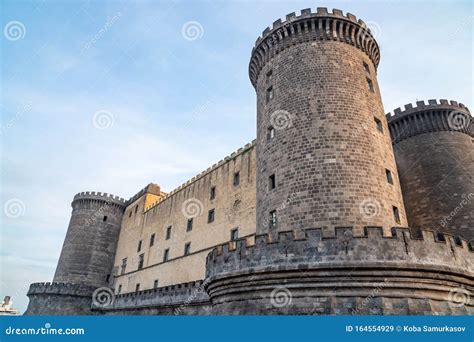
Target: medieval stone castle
[(335, 208)]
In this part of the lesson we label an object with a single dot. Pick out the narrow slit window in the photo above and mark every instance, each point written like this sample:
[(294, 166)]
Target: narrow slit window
[(139, 248), (187, 248), (388, 173), (236, 178), (396, 215), (211, 216), (119, 289), (234, 234), (168, 232), (270, 76), (137, 287), (212, 194), (370, 85), (273, 219), (155, 284), (272, 182), (123, 267), (152, 240), (270, 133), (166, 255), (366, 68), (141, 259), (104, 219), (189, 225), (378, 124), (269, 94)]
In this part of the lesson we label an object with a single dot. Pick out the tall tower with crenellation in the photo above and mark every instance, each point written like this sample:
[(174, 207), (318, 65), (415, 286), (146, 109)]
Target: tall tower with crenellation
[(324, 155), (433, 145)]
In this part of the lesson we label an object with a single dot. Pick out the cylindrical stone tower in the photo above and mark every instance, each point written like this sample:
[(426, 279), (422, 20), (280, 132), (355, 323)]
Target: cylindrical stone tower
[(89, 248), (434, 151), (324, 153)]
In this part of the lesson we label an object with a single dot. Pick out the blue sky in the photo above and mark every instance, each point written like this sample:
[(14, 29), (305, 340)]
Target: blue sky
[(168, 107)]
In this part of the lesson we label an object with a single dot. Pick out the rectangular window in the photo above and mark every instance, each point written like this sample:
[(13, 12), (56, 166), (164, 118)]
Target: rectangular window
[(396, 215), (366, 68), (273, 219), (137, 287), (269, 94), (236, 178), (370, 85), (123, 266), (210, 216), (155, 284), (104, 219), (168, 233), (152, 240), (119, 289), (189, 225), (378, 124), (136, 209), (139, 248), (166, 255), (141, 259), (270, 133), (234, 234), (270, 76), (272, 182), (212, 193), (187, 248), (389, 176)]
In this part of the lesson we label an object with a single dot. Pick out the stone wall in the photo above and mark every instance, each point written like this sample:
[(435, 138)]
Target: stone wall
[(330, 159)]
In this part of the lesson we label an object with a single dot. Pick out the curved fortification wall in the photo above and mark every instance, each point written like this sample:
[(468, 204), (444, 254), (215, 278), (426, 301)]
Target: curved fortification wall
[(323, 147), (332, 271), (89, 248), (434, 150)]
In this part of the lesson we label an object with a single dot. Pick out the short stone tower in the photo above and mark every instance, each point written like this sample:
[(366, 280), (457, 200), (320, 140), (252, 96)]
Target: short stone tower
[(324, 155), (89, 248), (434, 149)]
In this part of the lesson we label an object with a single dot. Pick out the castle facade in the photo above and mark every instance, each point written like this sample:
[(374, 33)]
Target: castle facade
[(335, 208)]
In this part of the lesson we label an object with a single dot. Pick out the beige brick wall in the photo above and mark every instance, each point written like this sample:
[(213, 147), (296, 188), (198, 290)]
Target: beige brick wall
[(234, 207)]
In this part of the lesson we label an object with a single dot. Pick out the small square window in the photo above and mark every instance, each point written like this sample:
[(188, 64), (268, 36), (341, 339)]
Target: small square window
[(210, 216), (378, 124), (212, 193), (234, 234), (273, 219), (166, 255), (389, 176), (155, 284), (168, 232), (104, 219), (141, 259), (269, 94), (187, 248), (270, 133), (236, 178), (396, 215), (366, 68), (137, 287), (119, 289), (139, 248), (270, 76), (189, 225), (272, 182), (370, 85), (152, 240)]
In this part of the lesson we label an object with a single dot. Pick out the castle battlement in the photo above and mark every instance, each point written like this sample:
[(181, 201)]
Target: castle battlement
[(319, 25), (431, 117), (99, 196), (343, 247), (215, 166), (61, 288)]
